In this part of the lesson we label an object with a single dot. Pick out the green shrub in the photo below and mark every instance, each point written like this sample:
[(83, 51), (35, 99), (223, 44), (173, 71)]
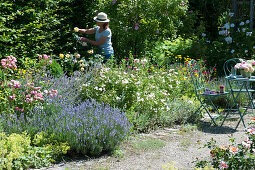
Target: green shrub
[(165, 52), (42, 26), (144, 91), (18, 152), (55, 68), (140, 22)]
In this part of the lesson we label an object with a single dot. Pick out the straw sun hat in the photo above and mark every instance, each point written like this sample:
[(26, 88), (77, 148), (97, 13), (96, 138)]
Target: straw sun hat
[(101, 17)]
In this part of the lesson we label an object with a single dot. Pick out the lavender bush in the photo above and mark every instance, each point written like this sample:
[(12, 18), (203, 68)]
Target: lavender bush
[(89, 128)]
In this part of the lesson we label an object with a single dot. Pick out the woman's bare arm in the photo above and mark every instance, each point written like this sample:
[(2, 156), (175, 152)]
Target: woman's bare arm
[(97, 43), (87, 31)]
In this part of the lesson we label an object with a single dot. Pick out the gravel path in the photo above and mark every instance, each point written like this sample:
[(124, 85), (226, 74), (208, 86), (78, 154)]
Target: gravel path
[(181, 147)]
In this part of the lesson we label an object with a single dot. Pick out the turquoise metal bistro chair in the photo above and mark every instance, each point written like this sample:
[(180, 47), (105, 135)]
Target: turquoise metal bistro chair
[(237, 87), (204, 95)]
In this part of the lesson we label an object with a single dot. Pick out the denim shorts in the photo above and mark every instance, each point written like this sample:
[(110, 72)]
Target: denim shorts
[(107, 57)]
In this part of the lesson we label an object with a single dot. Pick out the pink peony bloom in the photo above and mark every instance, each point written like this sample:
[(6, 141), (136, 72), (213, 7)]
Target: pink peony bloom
[(45, 57), (223, 165), (16, 108), (37, 88)]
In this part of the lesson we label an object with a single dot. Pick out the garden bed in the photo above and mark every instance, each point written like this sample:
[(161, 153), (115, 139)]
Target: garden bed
[(180, 149)]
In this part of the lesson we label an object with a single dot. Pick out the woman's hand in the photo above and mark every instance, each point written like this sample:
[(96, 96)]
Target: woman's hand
[(83, 39)]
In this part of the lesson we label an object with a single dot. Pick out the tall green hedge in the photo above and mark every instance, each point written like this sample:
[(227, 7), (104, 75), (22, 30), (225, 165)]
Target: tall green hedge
[(31, 27)]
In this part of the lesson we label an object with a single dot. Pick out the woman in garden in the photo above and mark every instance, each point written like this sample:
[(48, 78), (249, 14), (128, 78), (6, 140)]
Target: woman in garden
[(102, 35)]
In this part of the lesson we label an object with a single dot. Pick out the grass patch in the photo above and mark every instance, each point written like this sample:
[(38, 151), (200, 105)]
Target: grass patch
[(148, 144), (187, 128)]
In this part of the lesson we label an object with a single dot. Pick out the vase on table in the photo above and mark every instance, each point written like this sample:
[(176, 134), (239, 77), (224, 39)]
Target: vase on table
[(245, 74)]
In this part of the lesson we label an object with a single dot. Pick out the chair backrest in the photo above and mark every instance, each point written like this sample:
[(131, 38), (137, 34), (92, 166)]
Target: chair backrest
[(229, 65), (197, 76)]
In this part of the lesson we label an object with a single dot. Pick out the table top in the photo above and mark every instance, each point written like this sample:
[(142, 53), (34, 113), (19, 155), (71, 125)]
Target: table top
[(240, 78)]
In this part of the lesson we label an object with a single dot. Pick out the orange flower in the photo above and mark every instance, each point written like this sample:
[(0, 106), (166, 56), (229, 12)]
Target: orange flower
[(233, 149), (223, 147)]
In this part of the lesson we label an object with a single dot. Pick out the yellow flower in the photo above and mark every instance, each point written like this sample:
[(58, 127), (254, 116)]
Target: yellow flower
[(81, 61), (61, 55), (82, 69), (76, 29), (90, 51), (67, 55)]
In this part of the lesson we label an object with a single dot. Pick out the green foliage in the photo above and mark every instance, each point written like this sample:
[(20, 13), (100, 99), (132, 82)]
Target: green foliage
[(31, 27), (145, 92), (165, 52), (55, 68), (140, 22), (207, 11), (148, 144), (18, 152)]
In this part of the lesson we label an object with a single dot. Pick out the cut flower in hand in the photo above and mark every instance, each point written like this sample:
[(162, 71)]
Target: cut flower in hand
[(76, 29)]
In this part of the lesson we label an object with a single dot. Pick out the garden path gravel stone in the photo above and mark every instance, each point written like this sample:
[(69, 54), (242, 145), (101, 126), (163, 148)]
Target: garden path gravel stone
[(181, 147)]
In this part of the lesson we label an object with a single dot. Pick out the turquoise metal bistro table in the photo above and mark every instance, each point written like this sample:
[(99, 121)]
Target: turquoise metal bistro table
[(244, 87)]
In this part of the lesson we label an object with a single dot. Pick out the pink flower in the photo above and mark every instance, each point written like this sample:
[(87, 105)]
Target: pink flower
[(16, 108), (246, 145), (45, 92), (50, 62), (136, 26), (60, 96), (37, 88), (233, 149), (45, 57), (251, 131), (39, 56), (223, 165), (51, 95), (21, 110), (9, 84)]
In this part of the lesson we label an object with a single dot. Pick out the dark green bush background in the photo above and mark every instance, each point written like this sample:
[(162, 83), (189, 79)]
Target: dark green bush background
[(30, 27)]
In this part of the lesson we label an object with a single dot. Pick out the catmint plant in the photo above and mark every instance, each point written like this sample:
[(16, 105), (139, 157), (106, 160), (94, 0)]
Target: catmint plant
[(89, 128)]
